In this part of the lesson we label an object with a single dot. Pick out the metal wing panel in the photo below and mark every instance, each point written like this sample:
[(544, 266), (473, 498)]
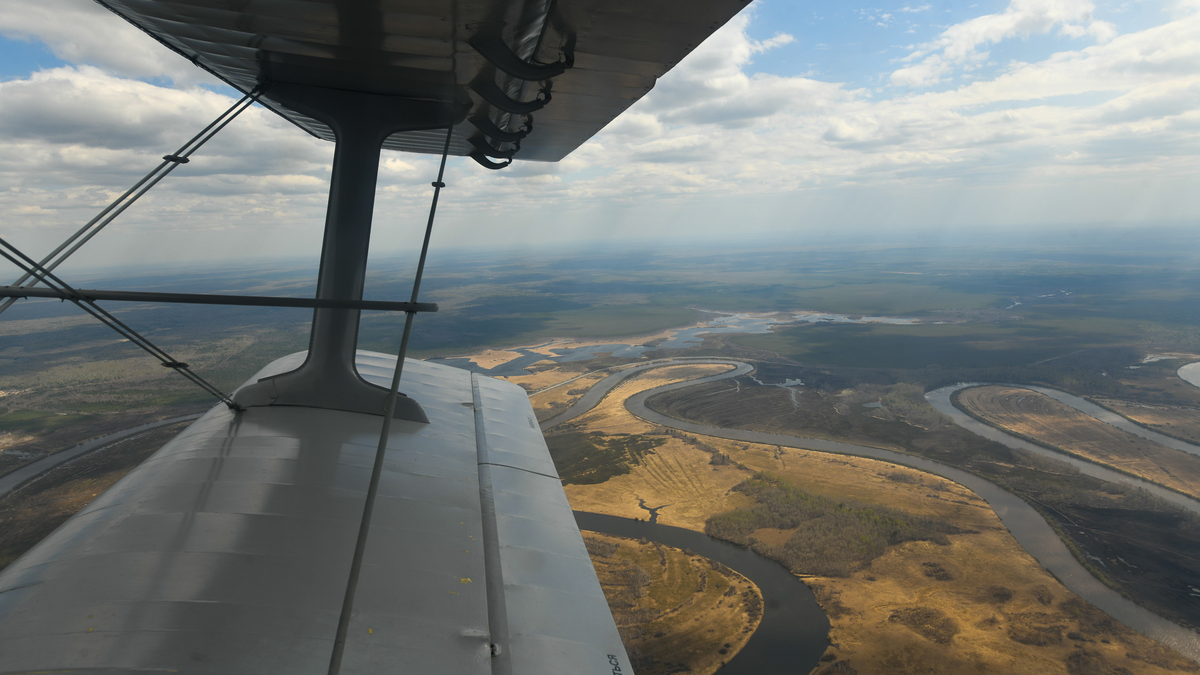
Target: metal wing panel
[(556, 611), (227, 551), (513, 436), (421, 49)]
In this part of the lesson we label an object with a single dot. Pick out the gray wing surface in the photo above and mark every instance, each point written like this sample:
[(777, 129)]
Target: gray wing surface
[(420, 49), (228, 550)]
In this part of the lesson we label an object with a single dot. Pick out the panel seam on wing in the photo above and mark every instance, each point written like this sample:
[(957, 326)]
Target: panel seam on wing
[(509, 466)]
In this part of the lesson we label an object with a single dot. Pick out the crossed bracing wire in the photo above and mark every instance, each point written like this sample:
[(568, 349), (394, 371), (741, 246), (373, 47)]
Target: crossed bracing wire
[(118, 206), (41, 271)]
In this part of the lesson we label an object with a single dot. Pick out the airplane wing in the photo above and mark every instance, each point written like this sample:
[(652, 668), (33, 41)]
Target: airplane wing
[(228, 550), (444, 50)]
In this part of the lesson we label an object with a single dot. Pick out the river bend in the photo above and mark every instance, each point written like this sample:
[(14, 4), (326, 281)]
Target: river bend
[(794, 631), (1026, 525)]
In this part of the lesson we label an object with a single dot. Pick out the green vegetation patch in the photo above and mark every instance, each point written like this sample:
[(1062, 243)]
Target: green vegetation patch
[(36, 420), (830, 538), (588, 459)]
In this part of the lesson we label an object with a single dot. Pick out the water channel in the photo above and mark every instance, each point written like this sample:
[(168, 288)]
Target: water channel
[(1027, 526), (941, 400), (794, 631), (683, 338)]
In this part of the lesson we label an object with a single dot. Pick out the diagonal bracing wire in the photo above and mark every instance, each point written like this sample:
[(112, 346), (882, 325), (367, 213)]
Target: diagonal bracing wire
[(118, 206), (40, 273), (339, 643)]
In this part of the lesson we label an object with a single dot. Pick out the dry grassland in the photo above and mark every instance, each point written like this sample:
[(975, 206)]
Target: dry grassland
[(492, 358), (634, 340), (979, 604), (675, 473), (549, 377), (671, 608), (1172, 420), (1030, 414)]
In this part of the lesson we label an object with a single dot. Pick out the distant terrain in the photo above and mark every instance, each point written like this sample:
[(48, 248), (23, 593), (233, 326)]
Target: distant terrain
[(1110, 327)]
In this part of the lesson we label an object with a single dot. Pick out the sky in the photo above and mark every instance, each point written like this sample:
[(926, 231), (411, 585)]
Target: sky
[(794, 122)]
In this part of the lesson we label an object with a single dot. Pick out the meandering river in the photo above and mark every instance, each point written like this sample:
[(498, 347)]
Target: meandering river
[(794, 632), (941, 400), (1026, 525)]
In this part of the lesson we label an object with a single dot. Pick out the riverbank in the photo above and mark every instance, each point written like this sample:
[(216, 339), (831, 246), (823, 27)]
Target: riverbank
[(793, 632), (685, 477)]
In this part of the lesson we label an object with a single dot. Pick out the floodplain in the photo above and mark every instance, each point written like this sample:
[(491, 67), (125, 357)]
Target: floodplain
[(1029, 414), (1112, 327), (967, 600)]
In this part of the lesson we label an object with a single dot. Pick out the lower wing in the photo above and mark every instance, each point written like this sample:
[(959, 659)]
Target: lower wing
[(228, 551)]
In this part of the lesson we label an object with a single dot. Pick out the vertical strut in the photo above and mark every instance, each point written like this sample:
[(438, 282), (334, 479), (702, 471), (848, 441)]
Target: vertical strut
[(360, 545), (328, 377)]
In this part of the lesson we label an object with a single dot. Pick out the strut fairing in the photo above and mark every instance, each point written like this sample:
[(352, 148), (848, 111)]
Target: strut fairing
[(226, 552), (422, 49)]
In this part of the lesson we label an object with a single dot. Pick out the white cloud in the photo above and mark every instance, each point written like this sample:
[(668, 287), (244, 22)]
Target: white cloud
[(957, 45), (83, 32), (711, 145)]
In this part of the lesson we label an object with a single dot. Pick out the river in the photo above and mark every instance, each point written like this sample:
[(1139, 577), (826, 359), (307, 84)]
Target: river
[(794, 632), (1028, 527), (940, 399)]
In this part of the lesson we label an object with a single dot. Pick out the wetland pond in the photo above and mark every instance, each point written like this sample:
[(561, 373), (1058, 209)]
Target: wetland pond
[(682, 338), (1190, 374), (794, 632)]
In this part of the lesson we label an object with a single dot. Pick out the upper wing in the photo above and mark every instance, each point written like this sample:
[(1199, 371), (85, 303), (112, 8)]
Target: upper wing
[(423, 49), (227, 552)]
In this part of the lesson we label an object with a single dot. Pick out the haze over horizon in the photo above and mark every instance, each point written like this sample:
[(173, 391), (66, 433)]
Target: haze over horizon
[(1030, 119)]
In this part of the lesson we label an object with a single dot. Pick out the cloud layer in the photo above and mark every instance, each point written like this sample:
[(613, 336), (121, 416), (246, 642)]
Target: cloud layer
[(1104, 129)]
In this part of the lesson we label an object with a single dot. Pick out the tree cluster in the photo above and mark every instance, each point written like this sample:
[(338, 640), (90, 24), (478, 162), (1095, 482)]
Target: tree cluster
[(830, 537)]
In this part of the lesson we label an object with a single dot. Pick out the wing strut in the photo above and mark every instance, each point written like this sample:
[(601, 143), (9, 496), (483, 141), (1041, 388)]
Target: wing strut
[(40, 273), (180, 156), (339, 643)]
